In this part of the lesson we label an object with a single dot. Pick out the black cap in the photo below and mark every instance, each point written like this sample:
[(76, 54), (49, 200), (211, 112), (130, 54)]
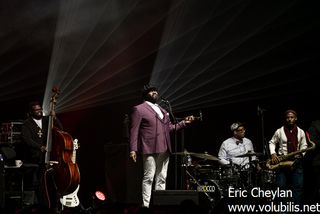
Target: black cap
[(147, 88), (236, 125), (290, 111)]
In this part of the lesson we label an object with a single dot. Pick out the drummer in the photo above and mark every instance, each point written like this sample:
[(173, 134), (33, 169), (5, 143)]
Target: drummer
[(235, 146)]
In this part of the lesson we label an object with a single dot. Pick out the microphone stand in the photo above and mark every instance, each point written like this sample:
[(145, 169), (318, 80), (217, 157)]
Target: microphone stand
[(182, 171), (168, 104), (265, 150), (183, 181)]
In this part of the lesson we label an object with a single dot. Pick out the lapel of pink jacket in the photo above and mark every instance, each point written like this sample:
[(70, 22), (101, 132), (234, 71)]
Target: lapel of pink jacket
[(155, 113)]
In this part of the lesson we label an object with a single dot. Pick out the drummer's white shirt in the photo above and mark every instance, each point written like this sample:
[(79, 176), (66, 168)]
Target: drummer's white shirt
[(229, 149)]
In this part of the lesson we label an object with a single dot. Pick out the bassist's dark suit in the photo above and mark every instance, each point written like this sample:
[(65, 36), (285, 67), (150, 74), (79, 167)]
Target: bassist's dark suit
[(34, 137)]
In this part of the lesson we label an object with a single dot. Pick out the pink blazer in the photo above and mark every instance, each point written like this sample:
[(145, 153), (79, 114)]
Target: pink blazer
[(148, 133)]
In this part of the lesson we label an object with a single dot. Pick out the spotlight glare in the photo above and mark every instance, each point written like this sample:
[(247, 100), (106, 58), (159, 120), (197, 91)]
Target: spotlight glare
[(100, 195)]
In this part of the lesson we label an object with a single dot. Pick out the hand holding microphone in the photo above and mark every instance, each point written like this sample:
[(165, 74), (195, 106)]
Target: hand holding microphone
[(192, 118), (189, 119)]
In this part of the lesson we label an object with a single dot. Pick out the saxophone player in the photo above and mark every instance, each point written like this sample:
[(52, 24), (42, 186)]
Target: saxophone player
[(289, 139)]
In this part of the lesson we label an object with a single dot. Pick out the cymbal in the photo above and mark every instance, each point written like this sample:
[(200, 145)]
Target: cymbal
[(205, 156), (183, 153), (249, 154), (198, 155)]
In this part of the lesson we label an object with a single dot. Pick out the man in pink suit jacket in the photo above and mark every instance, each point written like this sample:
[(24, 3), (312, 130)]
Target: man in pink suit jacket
[(150, 136)]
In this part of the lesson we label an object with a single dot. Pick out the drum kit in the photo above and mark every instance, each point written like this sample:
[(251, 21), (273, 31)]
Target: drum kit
[(205, 170)]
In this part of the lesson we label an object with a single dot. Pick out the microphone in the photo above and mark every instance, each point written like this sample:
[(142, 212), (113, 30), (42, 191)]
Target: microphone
[(200, 118), (164, 100), (260, 111)]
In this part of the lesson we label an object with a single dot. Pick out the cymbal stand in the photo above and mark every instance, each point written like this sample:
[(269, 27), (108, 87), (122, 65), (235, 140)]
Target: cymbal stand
[(250, 172), (265, 147), (231, 165)]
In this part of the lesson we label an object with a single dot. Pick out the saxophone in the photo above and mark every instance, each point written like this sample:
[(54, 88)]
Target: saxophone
[(284, 159)]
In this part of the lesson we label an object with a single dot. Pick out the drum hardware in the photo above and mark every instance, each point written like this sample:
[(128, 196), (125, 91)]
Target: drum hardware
[(268, 177), (10, 132), (222, 177), (195, 181), (230, 174), (198, 176), (187, 160), (207, 172), (251, 175), (247, 173)]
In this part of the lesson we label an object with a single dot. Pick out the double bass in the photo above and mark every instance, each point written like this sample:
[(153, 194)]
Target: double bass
[(60, 155)]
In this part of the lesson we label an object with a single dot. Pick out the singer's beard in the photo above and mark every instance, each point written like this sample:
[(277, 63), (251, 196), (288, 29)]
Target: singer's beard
[(152, 99), (37, 117)]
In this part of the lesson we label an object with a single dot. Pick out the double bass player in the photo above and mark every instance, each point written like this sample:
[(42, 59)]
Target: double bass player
[(54, 150), (34, 136)]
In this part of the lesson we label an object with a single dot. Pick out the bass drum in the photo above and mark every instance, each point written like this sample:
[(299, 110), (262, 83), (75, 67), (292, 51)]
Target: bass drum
[(211, 191)]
